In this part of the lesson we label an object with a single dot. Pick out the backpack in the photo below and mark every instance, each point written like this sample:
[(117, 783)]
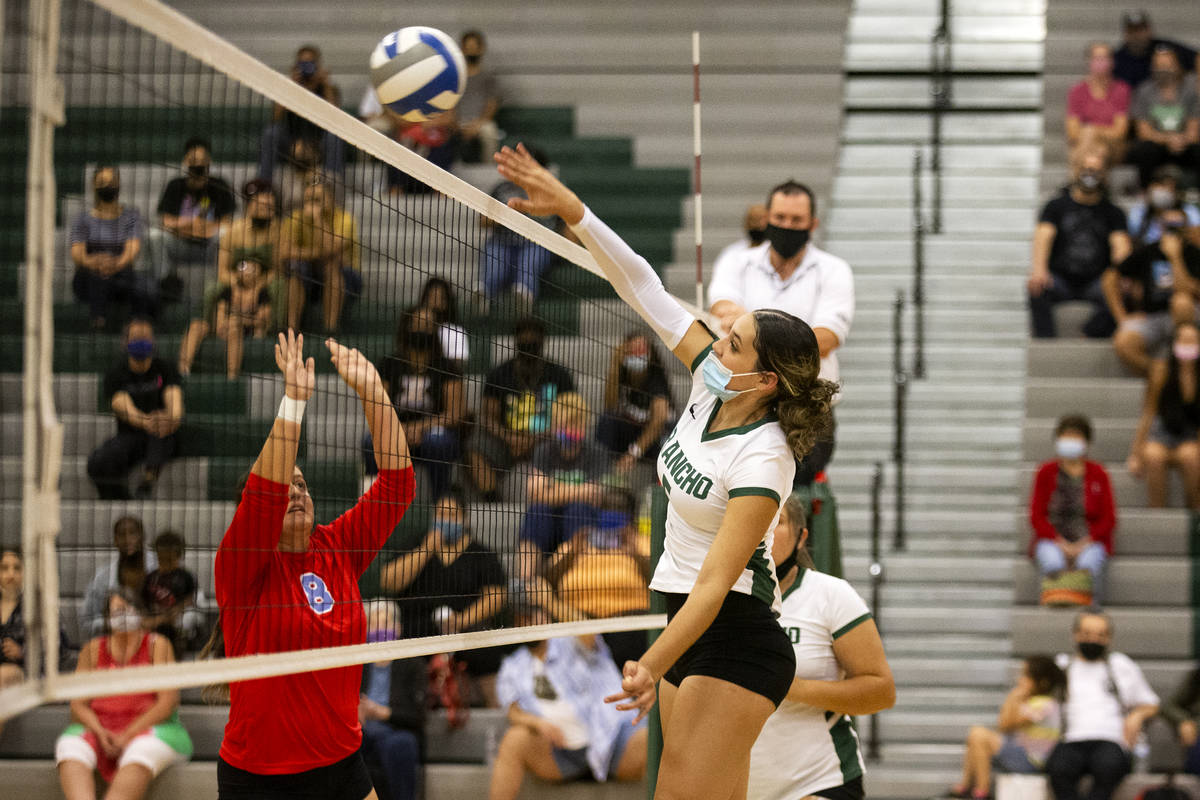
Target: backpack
[(1072, 587)]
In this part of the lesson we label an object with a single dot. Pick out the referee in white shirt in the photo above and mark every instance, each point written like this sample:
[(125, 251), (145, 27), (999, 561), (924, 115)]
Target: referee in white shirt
[(790, 273)]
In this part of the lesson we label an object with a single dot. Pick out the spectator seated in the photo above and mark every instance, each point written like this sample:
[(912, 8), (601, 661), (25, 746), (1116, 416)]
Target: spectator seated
[(286, 127), (1166, 119), (1098, 106), (476, 133), (319, 248)]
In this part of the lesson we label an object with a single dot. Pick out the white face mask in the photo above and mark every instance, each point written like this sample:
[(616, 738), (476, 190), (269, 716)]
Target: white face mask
[(126, 621), (1070, 448)]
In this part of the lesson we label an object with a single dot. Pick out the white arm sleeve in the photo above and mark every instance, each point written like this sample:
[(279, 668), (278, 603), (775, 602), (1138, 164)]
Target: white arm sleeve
[(634, 279)]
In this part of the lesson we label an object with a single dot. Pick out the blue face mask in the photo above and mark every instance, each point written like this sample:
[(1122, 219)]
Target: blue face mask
[(451, 531), (607, 533), (375, 637), (717, 377), (140, 348)]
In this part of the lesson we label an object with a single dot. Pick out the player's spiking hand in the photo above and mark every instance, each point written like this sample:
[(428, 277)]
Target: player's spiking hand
[(545, 194)]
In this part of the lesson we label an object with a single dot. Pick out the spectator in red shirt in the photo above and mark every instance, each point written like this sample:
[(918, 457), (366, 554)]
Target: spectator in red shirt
[(1098, 106), (284, 583), (1072, 510)]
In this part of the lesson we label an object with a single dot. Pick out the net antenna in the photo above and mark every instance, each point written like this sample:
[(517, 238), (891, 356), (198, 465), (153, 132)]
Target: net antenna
[(698, 221)]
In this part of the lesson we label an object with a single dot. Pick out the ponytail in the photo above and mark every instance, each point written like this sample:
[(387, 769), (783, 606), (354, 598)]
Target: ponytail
[(803, 402)]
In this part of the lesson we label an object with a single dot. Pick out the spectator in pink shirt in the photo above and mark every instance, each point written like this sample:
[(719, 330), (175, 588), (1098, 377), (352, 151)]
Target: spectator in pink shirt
[(1098, 106)]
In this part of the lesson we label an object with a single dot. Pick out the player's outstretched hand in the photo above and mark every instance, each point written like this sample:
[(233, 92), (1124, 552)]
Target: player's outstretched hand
[(355, 369), (637, 689), (545, 194), (299, 376)]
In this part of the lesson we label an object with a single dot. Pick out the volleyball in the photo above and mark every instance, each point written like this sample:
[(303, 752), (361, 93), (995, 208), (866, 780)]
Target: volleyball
[(418, 72)]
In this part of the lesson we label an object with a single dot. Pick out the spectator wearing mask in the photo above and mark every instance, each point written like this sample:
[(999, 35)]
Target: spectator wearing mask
[(433, 139), (1080, 234), (171, 595), (563, 489), (794, 275), (477, 134), (517, 398), (637, 402), (1107, 701), (509, 260), (105, 242), (437, 298), (755, 226), (1166, 434), (256, 235), (243, 311), (1166, 119), (1029, 726), (1098, 106), (1165, 282), (1072, 511), (1162, 195), (191, 211), (129, 739), (129, 541), (1132, 62), (319, 246), (146, 398), (286, 127), (450, 583), (427, 391), (560, 727), (391, 709)]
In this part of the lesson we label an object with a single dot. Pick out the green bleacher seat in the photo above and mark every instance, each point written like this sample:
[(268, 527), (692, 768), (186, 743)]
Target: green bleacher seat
[(534, 122)]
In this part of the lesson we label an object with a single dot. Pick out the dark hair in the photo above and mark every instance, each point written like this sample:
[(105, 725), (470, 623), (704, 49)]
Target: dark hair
[(455, 493), (530, 325), (197, 141), (803, 400), (618, 499), (128, 518), (257, 186), (125, 335), (451, 314), (472, 34), (133, 561), (169, 540), (131, 598), (1190, 692), (1177, 414), (312, 48), (1077, 423), (1046, 676), (15, 549), (791, 187)]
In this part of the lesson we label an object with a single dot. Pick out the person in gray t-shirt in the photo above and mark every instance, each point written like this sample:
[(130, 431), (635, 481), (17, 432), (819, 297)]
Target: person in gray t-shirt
[(478, 136), (1166, 119)]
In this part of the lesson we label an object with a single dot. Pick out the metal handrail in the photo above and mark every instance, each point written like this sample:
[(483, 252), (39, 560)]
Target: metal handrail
[(918, 289), (900, 380), (876, 572), (941, 69)]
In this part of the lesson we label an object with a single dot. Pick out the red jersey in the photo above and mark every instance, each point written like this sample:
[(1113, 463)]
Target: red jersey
[(273, 602), (117, 711)]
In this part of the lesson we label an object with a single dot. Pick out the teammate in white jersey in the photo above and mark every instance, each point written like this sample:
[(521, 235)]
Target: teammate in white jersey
[(808, 748), (757, 403)]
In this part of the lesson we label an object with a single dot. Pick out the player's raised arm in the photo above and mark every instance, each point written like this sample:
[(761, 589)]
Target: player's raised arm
[(391, 447), (278, 456), (630, 274)]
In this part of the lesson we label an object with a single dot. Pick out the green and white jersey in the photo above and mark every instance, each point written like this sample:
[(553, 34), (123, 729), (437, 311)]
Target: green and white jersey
[(701, 472), (803, 749)]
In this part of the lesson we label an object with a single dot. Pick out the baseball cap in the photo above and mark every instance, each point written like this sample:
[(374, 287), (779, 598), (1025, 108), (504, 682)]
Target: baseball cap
[(1137, 18)]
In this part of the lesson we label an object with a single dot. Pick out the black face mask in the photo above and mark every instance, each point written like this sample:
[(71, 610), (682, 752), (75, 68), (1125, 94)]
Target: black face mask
[(529, 349), (785, 566), (757, 236), (473, 60), (786, 241), (260, 223), (422, 341), (1092, 651), (106, 194), (198, 170)]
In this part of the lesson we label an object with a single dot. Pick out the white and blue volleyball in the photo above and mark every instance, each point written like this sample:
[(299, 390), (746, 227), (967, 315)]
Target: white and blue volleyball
[(418, 72)]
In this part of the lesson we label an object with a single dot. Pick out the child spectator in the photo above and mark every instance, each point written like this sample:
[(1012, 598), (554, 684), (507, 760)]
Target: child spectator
[(1165, 282), (243, 309), (319, 246), (437, 298), (1098, 106), (563, 488), (1167, 432), (477, 135), (1072, 510), (1029, 725), (517, 399), (105, 242), (254, 235), (170, 593), (147, 400), (129, 739), (637, 402)]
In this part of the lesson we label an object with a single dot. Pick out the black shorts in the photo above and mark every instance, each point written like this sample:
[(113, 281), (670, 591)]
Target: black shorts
[(347, 779), (744, 645), (850, 790)]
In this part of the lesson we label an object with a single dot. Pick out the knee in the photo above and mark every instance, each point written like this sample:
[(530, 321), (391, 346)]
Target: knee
[(1126, 340), (515, 744), (1155, 457)]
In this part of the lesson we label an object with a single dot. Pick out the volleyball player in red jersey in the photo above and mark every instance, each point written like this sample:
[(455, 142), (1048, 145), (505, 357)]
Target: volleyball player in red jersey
[(286, 584)]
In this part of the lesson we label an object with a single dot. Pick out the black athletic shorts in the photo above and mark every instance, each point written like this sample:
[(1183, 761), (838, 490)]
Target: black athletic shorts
[(850, 790), (347, 779), (745, 645)]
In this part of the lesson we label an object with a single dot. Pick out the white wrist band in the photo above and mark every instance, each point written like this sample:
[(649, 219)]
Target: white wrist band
[(291, 410)]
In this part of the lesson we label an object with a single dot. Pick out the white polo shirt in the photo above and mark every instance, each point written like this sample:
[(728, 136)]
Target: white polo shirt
[(1100, 694), (820, 291)]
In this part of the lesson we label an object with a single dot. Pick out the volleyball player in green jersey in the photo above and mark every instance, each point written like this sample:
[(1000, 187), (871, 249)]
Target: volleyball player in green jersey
[(723, 663)]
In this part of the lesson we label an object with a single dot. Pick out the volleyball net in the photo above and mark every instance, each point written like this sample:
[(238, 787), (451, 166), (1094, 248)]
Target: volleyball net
[(203, 201)]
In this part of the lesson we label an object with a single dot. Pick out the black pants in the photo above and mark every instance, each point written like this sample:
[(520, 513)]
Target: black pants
[(1041, 308), (126, 286), (1106, 762), (109, 464), (1149, 156), (347, 779)]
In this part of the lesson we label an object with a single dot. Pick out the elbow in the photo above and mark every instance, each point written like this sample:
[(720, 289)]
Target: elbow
[(887, 694)]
